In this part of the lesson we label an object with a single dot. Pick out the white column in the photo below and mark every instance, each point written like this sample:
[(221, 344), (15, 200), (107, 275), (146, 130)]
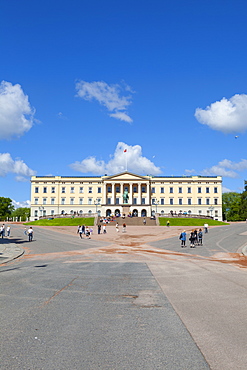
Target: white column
[(148, 193), (113, 193), (105, 187), (131, 193), (139, 201), (121, 192)]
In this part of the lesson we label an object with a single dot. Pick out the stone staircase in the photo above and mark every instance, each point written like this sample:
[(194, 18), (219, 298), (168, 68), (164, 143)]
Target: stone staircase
[(129, 221)]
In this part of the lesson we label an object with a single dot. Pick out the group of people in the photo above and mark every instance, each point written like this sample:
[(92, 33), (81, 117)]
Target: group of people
[(84, 230), (4, 230), (195, 238)]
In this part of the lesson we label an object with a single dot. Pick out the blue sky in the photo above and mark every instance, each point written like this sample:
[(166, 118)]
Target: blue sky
[(83, 80)]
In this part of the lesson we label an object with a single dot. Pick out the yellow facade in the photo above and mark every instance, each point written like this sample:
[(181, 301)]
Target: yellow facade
[(147, 195)]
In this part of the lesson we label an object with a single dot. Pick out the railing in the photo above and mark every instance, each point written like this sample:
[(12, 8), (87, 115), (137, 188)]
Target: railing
[(86, 215), (182, 215)]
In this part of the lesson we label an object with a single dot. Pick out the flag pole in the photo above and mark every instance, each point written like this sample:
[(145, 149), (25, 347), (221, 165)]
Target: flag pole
[(126, 163)]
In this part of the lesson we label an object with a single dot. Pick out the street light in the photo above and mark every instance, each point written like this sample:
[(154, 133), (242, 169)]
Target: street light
[(97, 203), (156, 203), (211, 208)]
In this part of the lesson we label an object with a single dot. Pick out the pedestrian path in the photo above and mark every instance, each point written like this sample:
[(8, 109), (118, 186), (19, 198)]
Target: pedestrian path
[(9, 251)]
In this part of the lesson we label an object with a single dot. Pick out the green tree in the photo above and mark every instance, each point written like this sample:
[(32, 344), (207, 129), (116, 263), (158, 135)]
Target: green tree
[(6, 208), (231, 206), (21, 212), (243, 206)]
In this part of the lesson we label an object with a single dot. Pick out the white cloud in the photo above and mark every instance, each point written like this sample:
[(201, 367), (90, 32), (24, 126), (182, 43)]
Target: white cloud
[(24, 204), (16, 114), (18, 167), (226, 190), (225, 115), (227, 168), (135, 162), (108, 96)]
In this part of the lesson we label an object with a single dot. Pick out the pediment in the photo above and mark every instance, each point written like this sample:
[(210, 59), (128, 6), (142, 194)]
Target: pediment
[(126, 176)]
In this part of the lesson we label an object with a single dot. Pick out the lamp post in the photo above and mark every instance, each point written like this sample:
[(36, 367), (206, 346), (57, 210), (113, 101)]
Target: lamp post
[(211, 208), (41, 208), (97, 203), (156, 203)]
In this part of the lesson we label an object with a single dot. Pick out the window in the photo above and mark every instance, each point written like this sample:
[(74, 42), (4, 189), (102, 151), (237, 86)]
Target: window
[(90, 189), (162, 190), (117, 189), (81, 189), (162, 201), (108, 200), (152, 190), (44, 213), (199, 201), (52, 200), (180, 201), (36, 213), (199, 190), (71, 200), (44, 200), (171, 190), (45, 189), (117, 200), (207, 201), (189, 201), (134, 189), (153, 200), (171, 201), (63, 189), (215, 190), (207, 190), (189, 190), (63, 201), (90, 200), (135, 201), (80, 200), (52, 212), (72, 190), (109, 189), (53, 189), (143, 189), (36, 200), (36, 190), (215, 201), (180, 190), (99, 190), (143, 200)]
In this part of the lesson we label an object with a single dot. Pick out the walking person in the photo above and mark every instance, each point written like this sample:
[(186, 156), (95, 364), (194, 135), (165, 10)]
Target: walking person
[(104, 229), (168, 223), (192, 239), (124, 228), (8, 231), (195, 237), (87, 232), (144, 221), (183, 239), (117, 227), (1, 231), (30, 234), (80, 231), (200, 237), (83, 229), (99, 229), (206, 228)]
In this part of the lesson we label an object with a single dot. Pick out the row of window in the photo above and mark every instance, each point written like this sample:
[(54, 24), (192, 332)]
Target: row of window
[(117, 201), (117, 189)]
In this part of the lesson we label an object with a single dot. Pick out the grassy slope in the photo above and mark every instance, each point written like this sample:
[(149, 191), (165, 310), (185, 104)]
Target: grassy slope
[(63, 222), (189, 221)]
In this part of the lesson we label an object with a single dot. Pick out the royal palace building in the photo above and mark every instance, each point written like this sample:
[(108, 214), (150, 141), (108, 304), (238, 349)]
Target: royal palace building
[(126, 193)]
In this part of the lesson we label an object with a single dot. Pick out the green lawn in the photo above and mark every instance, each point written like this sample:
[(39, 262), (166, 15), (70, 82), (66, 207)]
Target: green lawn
[(189, 221), (89, 221)]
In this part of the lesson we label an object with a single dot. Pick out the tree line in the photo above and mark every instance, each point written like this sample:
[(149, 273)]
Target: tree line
[(8, 211)]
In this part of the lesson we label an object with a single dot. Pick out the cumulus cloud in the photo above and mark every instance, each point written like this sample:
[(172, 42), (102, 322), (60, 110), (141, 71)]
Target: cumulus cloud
[(24, 204), (18, 167), (107, 95), (123, 153), (227, 168), (16, 114), (225, 115)]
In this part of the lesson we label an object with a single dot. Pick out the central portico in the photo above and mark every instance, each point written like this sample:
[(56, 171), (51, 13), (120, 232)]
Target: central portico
[(137, 189)]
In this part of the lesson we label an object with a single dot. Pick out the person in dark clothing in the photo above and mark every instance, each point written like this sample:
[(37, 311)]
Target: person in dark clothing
[(99, 229)]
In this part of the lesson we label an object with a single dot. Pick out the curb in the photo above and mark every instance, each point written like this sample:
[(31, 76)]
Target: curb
[(10, 253), (244, 250)]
